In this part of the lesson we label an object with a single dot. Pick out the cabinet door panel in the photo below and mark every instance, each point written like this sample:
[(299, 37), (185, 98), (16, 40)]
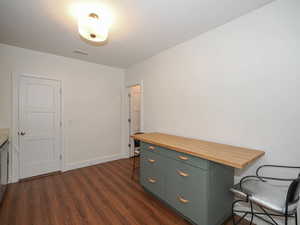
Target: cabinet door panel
[(151, 172), (186, 190), (3, 169), (153, 182)]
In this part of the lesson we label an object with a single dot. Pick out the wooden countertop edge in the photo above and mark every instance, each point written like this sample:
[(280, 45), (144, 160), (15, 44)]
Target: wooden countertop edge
[(211, 158)]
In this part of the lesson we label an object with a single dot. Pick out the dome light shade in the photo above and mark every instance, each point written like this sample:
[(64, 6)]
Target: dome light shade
[(92, 28)]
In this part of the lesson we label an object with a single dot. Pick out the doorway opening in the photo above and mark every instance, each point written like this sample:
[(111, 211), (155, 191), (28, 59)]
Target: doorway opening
[(134, 114)]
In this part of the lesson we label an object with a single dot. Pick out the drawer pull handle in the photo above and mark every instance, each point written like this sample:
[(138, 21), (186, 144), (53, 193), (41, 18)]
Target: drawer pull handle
[(182, 200), (151, 160), (182, 157), (183, 174), (151, 147), (152, 180)]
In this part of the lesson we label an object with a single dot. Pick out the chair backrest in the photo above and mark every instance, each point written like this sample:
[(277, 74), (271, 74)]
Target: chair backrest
[(293, 191)]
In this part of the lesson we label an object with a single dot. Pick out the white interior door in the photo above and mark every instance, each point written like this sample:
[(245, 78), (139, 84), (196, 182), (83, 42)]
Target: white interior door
[(39, 126), (134, 114), (135, 109)]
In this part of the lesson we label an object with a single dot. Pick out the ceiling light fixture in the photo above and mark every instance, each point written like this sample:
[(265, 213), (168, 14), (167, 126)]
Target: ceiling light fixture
[(92, 28), (94, 21)]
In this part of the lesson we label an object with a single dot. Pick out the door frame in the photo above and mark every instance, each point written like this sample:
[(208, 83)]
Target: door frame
[(15, 145), (128, 85)]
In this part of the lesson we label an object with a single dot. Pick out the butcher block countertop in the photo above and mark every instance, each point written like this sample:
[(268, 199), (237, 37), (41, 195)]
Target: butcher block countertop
[(236, 157)]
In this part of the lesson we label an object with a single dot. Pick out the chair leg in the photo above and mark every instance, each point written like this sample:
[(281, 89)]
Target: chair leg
[(133, 167), (252, 213), (296, 218), (232, 213), (286, 219)]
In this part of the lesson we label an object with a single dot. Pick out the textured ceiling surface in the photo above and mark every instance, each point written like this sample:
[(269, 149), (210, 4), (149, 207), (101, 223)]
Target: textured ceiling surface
[(141, 28)]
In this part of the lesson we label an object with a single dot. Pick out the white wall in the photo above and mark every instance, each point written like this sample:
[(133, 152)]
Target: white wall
[(238, 84), (92, 102)]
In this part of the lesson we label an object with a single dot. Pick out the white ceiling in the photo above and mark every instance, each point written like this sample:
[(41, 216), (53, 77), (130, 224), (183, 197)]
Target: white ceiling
[(141, 28)]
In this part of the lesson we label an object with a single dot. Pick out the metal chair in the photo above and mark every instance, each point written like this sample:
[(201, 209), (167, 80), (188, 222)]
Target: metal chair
[(136, 154), (273, 200)]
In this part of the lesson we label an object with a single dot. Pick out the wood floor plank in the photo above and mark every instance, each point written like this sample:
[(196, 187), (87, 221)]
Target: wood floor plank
[(103, 194), (152, 209), (9, 203), (55, 207), (112, 201), (118, 200), (72, 210), (100, 201), (132, 201), (81, 201)]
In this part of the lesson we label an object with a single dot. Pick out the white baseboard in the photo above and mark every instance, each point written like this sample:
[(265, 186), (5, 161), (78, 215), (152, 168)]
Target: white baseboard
[(85, 163)]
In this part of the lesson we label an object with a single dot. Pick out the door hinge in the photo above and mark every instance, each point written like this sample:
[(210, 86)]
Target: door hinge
[(129, 120), (129, 145)]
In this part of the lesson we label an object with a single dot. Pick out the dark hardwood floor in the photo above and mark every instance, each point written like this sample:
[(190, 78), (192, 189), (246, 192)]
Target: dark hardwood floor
[(103, 194)]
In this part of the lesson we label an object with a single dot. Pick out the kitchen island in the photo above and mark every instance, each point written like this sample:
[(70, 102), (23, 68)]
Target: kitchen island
[(192, 176)]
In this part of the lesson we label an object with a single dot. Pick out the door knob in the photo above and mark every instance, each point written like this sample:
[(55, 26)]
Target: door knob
[(22, 133)]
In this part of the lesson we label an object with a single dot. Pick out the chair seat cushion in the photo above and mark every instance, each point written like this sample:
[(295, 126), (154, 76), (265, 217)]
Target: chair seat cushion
[(267, 195)]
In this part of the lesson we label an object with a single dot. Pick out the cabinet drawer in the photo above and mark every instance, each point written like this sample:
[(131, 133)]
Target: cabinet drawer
[(187, 191), (150, 147), (151, 176), (151, 161), (153, 181), (185, 158)]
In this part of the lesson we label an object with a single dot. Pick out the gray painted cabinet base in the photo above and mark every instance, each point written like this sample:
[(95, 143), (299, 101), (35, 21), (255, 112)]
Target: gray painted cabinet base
[(196, 188)]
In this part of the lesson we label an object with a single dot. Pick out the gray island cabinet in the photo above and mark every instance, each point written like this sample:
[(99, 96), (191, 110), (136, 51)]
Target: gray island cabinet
[(196, 187), (4, 160)]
